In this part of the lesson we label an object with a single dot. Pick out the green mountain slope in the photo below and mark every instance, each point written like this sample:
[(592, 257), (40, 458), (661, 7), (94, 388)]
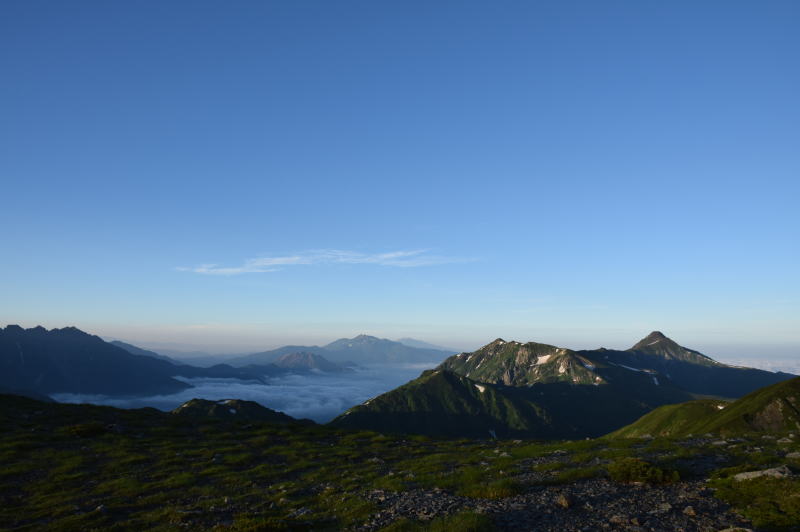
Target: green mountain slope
[(673, 420), (442, 403), (773, 409)]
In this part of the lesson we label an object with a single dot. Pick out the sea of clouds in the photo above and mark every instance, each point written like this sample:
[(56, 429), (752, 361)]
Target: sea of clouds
[(317, 396)]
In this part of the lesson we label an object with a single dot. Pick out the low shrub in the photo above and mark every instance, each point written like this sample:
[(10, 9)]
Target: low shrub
[(498, 489), (637, 470)]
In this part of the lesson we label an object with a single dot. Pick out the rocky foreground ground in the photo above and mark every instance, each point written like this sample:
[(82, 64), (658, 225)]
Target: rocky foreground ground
[(597, 504)]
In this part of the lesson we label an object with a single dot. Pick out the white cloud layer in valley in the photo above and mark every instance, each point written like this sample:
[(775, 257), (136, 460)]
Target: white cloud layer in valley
[(320, 397)]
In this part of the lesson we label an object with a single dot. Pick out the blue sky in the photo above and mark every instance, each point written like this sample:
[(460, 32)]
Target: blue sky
[(242, 176)]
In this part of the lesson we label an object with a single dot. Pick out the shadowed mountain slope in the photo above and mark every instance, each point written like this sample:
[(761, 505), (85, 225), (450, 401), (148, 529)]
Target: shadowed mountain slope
[(134, 350), (442, 403), (69, 360)]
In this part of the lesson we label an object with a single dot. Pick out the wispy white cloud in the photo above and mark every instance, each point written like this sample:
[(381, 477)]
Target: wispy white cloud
[(401, 259)]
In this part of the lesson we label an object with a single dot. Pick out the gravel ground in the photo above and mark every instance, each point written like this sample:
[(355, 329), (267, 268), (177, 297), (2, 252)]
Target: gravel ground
[(596, 504)]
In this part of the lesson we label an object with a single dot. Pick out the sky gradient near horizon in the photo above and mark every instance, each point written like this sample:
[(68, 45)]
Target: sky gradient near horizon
[(241, 176)]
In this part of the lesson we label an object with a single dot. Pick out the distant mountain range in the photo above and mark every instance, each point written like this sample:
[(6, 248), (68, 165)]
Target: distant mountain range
[(363, 349), (512, 389), (39, 362), (309, 362), (506, 389)]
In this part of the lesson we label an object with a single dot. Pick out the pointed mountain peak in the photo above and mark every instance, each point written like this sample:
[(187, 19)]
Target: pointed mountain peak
[(659, 345), (655, 337)]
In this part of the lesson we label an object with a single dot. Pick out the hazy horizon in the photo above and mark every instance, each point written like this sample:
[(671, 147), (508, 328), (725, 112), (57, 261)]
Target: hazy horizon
[(765, 356)]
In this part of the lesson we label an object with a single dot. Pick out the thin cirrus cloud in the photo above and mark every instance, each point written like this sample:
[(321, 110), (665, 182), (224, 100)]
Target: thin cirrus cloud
[(400, 259)]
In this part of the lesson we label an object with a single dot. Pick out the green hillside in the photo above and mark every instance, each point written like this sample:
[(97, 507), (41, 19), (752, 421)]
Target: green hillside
[(441, 403), (673, 420), (773, 409)]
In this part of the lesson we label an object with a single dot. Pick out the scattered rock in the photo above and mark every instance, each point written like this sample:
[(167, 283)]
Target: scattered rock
[(595, 504), (663, 507), (300, 512), (618, 520), (775, 472), (794, 456), (564, 501)]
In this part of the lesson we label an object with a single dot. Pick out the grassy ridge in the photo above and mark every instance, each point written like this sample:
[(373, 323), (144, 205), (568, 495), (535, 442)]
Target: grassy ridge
[(773, 409), (673, 420)]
